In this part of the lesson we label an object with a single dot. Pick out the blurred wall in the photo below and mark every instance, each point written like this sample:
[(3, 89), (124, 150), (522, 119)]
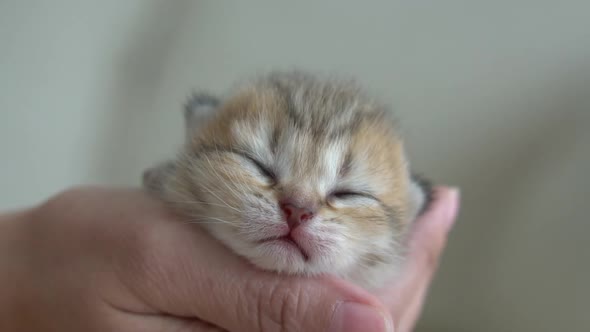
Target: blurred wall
[(494, 97)]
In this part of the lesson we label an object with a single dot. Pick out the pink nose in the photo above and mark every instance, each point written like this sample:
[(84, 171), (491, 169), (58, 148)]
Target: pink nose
[(296, 215)]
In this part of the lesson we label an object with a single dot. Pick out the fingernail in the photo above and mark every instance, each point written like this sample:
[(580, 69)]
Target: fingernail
[(452, 209), (356, 317)]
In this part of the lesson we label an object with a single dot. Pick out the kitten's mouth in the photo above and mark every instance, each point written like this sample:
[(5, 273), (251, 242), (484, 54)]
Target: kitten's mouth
[(287, 240)]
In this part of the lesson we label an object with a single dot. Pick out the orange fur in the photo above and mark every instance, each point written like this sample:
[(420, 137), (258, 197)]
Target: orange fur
[(316, 137)]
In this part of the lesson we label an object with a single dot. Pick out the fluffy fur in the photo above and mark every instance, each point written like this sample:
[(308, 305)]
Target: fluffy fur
[(320, 143)]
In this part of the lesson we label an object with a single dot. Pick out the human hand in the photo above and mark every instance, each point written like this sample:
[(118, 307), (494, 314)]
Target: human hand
[(406, 295), (116, 260), (95, 259)]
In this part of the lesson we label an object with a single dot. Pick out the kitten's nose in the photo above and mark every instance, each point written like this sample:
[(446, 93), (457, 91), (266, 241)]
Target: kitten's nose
[(296, 215)]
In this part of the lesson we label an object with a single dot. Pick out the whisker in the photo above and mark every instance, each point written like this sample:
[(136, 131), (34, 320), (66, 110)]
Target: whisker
[(224, 181), (211, 191), (209, 220)]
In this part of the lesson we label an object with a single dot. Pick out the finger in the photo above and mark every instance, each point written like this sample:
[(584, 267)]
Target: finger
[(429, 235), (411, 312), (190, 274), (426, 243)]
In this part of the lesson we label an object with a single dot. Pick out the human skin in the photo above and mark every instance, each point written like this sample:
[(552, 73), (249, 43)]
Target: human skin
[(104, 259)]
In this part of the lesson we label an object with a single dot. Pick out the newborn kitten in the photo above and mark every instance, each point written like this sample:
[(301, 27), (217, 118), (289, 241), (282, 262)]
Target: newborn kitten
[(299, 175)]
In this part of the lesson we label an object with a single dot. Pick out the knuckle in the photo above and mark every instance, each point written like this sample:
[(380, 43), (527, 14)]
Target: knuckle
[(72, 193), (62, 199), (279, 306), (69, 202)]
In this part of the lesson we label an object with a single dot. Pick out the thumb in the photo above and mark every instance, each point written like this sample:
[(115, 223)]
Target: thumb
[(201, 278), (270, 303)]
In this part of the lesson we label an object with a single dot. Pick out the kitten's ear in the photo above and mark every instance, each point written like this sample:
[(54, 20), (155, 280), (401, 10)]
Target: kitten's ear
[(421, 193), (198, 108)]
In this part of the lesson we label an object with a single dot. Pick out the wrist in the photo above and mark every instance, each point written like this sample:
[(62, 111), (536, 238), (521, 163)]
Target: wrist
[(13, 269)]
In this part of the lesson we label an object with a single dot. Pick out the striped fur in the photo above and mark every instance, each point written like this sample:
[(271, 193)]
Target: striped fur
[(292, 134)]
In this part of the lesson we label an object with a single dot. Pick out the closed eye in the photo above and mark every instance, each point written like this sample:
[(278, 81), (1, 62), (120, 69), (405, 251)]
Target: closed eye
[(347, 194), (264, 170)]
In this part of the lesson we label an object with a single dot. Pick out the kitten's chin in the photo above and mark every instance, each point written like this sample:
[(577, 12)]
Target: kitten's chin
[(281, 257), (285, 258), (284, 255), (277, 255), (272, 254)]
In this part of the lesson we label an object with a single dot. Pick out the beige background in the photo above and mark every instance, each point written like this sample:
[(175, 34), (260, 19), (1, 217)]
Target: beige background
[(494, 97)]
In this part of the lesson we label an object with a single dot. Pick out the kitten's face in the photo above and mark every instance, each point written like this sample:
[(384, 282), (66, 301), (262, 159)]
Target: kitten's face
[(297, 182)]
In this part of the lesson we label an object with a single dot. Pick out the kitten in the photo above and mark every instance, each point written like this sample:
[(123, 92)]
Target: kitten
[(299, 175)]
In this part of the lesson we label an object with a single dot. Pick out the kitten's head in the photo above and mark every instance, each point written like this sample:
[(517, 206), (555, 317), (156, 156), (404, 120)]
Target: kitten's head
[(298, 175)]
